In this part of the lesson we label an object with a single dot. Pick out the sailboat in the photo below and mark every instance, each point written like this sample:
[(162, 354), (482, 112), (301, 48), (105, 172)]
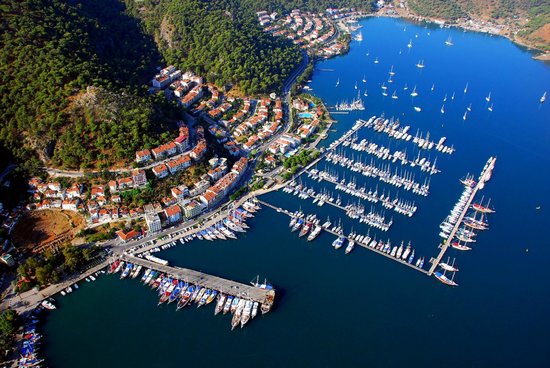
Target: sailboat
[(543, 98), (368, 53), (466, 88), (449, 41), (465, 116), (417, 109), (420, 64), (414, 93), (453, 97), (364, 79), (384, 93), (394, 96), (338, 82), (384, 85), (444, 279), (365, 94), (488, 98), (410, 44), (445, 98), (355, 85), (376, 60), (433, 87), (469, 108), (490, 108), (443, 109), (391, 71), (359, 36), (406, 87)]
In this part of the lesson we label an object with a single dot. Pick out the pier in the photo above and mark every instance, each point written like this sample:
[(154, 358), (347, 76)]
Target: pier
[(225, 286), (483, 177), (399, 260)]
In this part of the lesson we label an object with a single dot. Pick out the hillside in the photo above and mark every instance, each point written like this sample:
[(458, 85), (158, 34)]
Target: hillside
[(525, 21), (51, 51)]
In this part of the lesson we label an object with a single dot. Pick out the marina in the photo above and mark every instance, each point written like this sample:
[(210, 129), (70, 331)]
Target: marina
[(184, 286)]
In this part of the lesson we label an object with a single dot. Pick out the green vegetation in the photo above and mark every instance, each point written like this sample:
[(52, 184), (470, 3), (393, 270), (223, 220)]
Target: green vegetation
[(8, 325), (239, 192), (437, 8), (51, 51), (219, 41), (48, 268), (294, 163)]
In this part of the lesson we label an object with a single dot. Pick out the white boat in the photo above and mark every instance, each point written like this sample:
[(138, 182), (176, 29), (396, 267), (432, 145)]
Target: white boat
[(465, 116), (414, 93), (410, 44), (443, 109), (420, 64), (490, 108), (48, 305), (376, 60), (469, 108), (466, 88), (338, 82), (449, 41), (417, 109), (543, 98), (433, 87), (364, 79), (394, 96), (488, 98)]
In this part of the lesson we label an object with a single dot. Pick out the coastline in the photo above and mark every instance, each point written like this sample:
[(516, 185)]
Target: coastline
[(539, 54)]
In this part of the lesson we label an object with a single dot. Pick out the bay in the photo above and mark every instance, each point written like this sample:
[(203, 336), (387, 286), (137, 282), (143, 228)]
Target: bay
[(361, 309)]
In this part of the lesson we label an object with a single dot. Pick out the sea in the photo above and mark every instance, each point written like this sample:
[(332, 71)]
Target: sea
[(361, 309)]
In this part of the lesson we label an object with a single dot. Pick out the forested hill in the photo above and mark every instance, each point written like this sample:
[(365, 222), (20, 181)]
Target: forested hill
[(50, 52)]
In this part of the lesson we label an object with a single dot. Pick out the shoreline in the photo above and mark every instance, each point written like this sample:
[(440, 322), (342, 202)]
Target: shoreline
[(538, 53)]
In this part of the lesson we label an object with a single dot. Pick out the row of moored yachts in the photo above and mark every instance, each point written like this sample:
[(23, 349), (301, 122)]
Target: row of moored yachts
[(172, 290)]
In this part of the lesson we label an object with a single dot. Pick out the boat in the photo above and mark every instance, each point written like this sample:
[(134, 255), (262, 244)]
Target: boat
[(211, 297), (458, 246), (543, 98), (238, 314), (490, 108), (359, 36), (447, 266), (414, 93), (305, 229), (48, 305), (443, 109), (469, 108), (350, 246), (466, 88), (337, 244), (247, 312), (410, 44), (488, 98), (376, 60), (176, 293), (204, 297), (417, 109), (391, 72), (364, 79), (220, 303), (420, 64), (433, 87), (254, 310), (394, 95), (449, 41), (337, 82), (269, 300), (355, 85), (465, 116), (234, 304), (228, 303), (316, 231), (444, 279)]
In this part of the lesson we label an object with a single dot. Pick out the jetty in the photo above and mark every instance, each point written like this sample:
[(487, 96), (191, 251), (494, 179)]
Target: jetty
[(483, 178), (212, 282), (363, 245)]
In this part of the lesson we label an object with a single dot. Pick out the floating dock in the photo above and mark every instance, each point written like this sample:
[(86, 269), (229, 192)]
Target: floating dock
[(245, 291), (399, 260), (483, 178)]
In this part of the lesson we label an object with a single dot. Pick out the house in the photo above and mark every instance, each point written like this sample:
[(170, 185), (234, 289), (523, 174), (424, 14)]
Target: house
[(216, 173), (199, 150), (125, 183), (240, 166), (70, 204), (54, 185), (209, 198), (193, 209), (153, 222), (182, 141), (97, 191), (116, 198), (127, 236), (179, 163), (180, 192), (199, 188), (165, 150), (160, 171), (113, 186), (173, 214), (139, 178), (143, 156), (74, 191)]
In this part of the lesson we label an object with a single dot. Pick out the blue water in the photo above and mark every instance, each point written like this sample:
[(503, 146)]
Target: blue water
[(305, 115), (362, 309)]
